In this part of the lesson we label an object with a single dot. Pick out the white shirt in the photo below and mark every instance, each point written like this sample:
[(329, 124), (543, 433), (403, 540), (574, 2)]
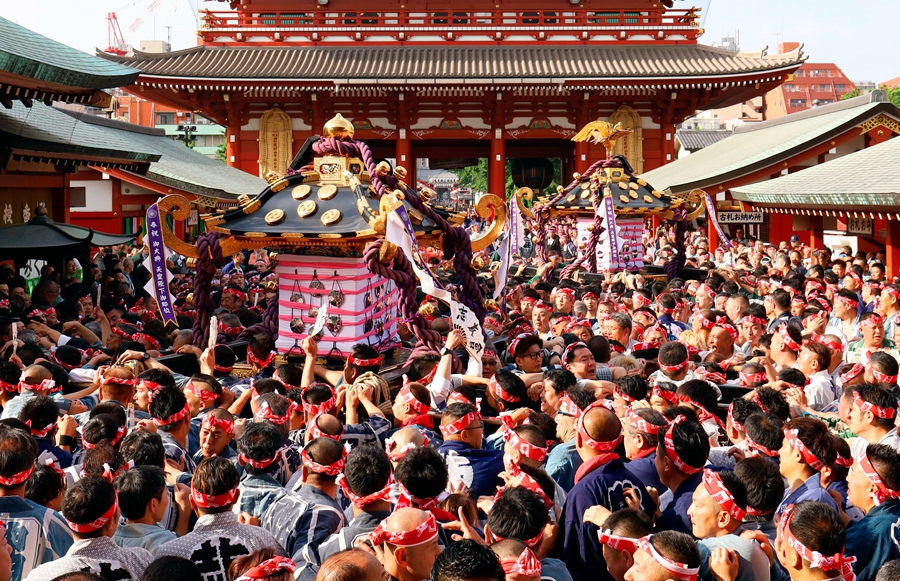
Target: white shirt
[(860, 444), (820, 391)]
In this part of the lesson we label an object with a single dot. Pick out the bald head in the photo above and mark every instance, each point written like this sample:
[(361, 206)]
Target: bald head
[(406, 519), (406, 435), (327, 424), (35, 374), (350, 565), (601, 425)]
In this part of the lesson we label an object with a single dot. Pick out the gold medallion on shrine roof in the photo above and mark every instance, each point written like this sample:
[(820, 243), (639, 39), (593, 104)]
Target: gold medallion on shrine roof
[(416, 216), (327, 192), (306, 208), (301, 191), (275, 216), (331, 217), (585, 185), (585, 194)]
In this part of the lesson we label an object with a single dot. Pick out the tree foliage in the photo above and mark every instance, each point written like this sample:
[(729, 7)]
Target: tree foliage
[(475, 177)]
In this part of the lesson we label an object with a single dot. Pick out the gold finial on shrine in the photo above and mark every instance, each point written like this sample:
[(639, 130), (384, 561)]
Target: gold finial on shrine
[(400, 172), (602, 132), (339, 128)]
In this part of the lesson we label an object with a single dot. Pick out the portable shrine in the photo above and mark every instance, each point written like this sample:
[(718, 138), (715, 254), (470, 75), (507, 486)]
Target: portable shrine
[(326, 217)]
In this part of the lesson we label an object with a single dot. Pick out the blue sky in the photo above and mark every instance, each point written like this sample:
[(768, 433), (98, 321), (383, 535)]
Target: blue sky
[(855, 35)]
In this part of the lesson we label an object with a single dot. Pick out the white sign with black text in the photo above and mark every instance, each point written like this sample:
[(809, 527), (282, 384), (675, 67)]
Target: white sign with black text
[(741, 217)]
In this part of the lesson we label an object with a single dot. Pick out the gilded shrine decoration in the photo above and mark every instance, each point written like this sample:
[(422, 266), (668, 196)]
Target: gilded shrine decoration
[(275, 142), (631, 145)]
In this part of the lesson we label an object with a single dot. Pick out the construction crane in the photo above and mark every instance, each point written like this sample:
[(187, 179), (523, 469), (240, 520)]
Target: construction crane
[(116, 41)]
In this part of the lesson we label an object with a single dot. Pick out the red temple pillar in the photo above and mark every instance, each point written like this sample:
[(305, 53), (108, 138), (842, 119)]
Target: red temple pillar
[(893, 248), (233, 144), (404, 150), (816, 232), (497, 164)]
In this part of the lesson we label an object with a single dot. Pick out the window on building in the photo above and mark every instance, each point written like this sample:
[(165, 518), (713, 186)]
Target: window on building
[(165, 118), (824, 88), (789, 88), (840, 88), (201, 120), (800, 74), (797, 103)]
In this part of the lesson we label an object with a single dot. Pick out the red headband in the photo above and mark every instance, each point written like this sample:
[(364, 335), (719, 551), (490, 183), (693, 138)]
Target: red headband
[(322, 408), (332, 469), (210, 501), (616, 542), (177, 416), (120, 433), (211, 420), (397, 454), (882, 377), (678, 570), (523, 300), (748, 378), (460, 424), (407, 396), (42, 433), (542, 306), (153, 342), (360, 501), (10, 387), (729, 328), (43, 385), (527, 449), (867, 406), (223, 369), (737, 425), (499, 392), (816, 559), (365, 362), (787, 339), (882, 492), (674, 368), (527, 564), (457, 397), (808, 457), (873, 320), (525, 481), (200, 393), (591, 295), (591, 442), (238, 294), (716, 488), (567, 406), (425, 532), (98, 523), (566, 291), (852, 373), (669, 396), (259, 464), (122, 333), (316, 432), (565, 354), (669, 446), (230, 331), (710, 375), (118, 381), (17, 478), (265, 412), (261, 363), (640, 424), (268, 568), (833, 344)]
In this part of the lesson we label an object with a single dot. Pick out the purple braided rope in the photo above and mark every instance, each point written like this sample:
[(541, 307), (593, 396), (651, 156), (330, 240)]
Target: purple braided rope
[(672, 265), (457, 243), (400, 271), (268, 325), (209, 260)]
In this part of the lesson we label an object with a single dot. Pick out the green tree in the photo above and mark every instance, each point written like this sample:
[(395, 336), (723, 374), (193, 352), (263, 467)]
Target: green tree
[(475, 177), (220, 153), (851, 94)]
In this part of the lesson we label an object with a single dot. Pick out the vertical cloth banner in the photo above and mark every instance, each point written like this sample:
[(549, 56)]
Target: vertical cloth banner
[(400, 231), (516, 227), (608, 249), (158, 286), (711, 208)]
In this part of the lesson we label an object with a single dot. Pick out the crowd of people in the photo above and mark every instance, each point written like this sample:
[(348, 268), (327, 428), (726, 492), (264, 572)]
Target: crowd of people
[(738, 427)]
